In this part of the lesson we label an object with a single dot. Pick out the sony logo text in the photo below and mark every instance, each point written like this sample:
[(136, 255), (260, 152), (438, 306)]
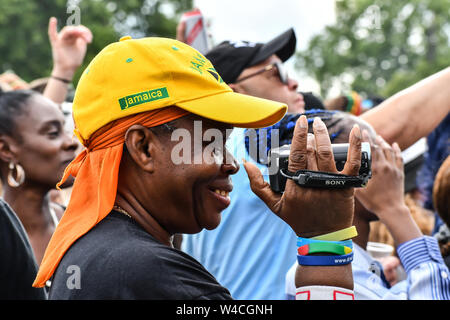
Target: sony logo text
[(334, 182)]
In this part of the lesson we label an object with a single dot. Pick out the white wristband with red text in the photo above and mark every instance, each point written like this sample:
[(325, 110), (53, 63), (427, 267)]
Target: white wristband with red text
[(323, 293)]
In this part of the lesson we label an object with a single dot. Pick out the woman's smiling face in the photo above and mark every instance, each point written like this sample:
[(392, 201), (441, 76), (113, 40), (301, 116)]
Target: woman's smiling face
[(198, 186)]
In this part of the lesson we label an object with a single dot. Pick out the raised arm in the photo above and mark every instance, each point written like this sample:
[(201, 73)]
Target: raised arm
[(68, 50), (413, 112), (427, 274), (314, 212)]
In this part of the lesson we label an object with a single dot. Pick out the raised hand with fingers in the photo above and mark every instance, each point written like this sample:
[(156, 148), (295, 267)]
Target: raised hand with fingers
[(311, 212), (384, 194), (68, 48), (386, 186)]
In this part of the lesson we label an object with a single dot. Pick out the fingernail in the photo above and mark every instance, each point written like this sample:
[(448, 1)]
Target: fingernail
[(303, 122), (244, 161), (317, 121), (357, 131)]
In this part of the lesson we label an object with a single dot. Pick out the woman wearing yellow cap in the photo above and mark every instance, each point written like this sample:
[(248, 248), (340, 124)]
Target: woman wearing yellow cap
[(130, 196)]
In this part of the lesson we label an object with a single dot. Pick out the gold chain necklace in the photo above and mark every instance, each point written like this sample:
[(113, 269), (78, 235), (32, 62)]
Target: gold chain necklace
[(119, 209)]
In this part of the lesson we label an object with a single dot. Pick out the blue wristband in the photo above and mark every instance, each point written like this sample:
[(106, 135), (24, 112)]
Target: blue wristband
[(303, 241), (325, 260)]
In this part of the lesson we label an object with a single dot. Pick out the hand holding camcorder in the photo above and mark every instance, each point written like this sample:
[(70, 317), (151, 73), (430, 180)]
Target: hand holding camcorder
[(318, 179), (312, 211)]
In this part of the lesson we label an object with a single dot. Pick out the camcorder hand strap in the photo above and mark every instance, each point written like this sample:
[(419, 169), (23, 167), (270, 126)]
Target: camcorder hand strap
[(325, 180)]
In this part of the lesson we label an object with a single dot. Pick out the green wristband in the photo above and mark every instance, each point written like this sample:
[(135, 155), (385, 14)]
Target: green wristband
[(323, 247)]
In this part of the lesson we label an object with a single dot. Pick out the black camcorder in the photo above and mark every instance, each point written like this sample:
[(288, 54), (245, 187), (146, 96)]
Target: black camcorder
[(279, 159)]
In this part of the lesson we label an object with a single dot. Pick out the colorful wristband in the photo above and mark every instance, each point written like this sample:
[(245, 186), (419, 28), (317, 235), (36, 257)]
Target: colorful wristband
[(323, 247), (339, 235), (350, 102), (325, 260), (302, 241)]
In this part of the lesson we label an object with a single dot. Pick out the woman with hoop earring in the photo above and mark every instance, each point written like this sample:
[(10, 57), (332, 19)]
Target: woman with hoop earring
[(34, 151)]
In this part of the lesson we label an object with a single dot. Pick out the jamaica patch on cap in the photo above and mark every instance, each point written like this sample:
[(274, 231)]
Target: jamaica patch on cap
[(143, 97)]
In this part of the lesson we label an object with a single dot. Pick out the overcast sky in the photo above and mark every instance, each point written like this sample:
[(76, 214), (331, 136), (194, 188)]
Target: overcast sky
[(260, 21)]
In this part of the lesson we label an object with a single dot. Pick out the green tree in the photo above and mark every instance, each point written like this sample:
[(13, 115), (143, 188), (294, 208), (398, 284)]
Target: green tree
[(379, 47), (24, 44)]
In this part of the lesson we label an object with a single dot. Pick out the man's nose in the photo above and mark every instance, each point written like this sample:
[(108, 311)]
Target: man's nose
[(230, 165), (292, 84)]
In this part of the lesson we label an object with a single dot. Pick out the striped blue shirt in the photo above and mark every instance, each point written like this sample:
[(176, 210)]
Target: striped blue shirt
[(427, 276)]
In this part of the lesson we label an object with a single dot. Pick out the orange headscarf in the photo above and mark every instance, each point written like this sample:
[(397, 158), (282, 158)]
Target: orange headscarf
[(96, 170)]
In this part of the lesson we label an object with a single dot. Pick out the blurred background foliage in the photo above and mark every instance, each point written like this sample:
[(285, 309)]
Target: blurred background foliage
[(376, 47), (379, 47), (24, 44)]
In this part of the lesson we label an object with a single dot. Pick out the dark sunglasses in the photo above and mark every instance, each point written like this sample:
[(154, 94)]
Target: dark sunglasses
[(281, 71)]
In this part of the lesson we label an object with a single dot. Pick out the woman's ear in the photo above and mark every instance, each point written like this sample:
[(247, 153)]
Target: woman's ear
[(8, 149), (142, 145)]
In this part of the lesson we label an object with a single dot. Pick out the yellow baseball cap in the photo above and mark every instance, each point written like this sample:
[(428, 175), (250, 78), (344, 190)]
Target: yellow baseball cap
[(137, 75)]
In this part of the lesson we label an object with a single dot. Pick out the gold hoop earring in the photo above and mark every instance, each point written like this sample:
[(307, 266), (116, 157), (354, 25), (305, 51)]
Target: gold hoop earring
[(20, 175)]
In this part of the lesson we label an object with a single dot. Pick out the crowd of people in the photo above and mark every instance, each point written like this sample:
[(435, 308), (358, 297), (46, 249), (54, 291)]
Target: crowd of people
[(138, 225)]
